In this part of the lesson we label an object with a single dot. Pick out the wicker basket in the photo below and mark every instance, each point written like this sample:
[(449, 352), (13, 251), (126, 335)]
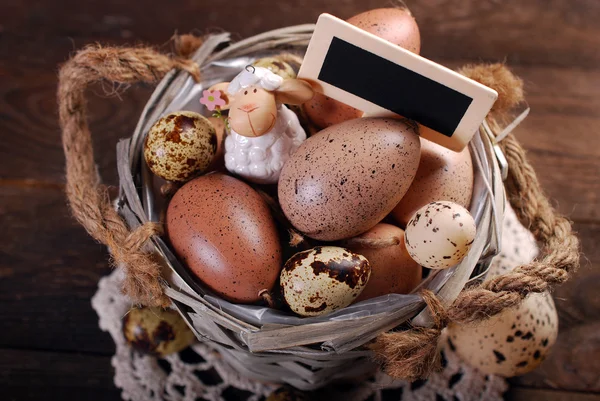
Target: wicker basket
[(304, 352)]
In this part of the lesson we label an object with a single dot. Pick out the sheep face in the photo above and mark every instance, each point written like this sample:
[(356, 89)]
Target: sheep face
[(254, 96), (253, 111)]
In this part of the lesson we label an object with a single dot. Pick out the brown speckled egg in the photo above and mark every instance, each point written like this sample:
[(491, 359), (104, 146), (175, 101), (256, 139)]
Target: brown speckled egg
[(442, 175), (392, 268), (180, 145), (323, 279), (324, 111), (396, 25), (348, 177), (440, 235), (156, 331), (511, 343), (223, 231), (276, 66)]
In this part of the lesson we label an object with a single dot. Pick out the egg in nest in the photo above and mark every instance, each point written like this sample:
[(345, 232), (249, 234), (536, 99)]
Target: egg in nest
[(180, 146), (323, 279), (440, 235)]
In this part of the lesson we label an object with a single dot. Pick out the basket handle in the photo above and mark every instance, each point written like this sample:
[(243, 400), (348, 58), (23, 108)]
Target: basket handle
[(87, 196), (413, 353)]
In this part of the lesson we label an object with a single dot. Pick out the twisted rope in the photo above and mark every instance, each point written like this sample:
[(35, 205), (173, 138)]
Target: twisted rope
[(87, 197)]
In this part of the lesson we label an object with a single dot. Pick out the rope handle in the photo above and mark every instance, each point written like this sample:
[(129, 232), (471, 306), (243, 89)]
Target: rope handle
[(413, 354), (406, 354), (87, 196)]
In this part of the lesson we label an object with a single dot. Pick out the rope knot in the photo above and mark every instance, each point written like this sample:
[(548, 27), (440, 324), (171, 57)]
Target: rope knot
[(413, 354), (137, 238)]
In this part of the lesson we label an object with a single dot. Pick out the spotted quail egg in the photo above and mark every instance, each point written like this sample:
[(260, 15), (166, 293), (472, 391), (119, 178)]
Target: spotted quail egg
[(511, 343), (440, 234), (323, 279), (156, 331), (276, 66), (180, 146)]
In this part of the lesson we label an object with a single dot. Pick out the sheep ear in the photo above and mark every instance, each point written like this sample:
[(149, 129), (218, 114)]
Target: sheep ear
[(222, 87), (294, 91)]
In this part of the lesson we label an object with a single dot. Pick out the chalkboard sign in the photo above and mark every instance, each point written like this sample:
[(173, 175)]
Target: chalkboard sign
[(382, 79)]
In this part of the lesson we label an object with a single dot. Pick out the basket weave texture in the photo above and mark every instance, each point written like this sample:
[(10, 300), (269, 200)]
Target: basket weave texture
[(312, 354)]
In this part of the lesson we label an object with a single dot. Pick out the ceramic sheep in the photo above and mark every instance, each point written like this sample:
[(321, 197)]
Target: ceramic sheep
[(264, 132)]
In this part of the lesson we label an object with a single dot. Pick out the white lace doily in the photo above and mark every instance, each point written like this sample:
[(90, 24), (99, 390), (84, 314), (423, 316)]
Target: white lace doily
[(199, 373)]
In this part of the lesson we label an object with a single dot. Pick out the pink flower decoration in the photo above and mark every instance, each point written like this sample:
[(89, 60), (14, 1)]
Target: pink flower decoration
[(212, 99)]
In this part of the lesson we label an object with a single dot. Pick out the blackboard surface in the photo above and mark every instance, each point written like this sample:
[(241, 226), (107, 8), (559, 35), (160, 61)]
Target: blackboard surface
[(393, 87)]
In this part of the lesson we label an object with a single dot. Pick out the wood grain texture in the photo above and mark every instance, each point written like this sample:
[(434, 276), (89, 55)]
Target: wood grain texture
[(49, 267), (39, 375)]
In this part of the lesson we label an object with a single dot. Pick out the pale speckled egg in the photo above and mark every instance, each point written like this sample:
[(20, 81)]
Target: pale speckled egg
[(442, 175), (392, 268), (276, 66), (345, 179), (440, 234), (323, 279), (156, 331), (180, 146), (511, 343)]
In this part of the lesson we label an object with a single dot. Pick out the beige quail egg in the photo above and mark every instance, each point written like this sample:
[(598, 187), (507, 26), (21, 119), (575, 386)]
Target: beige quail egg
[(276, 66), (511, 343), (156, 331), (180, 146), (323, 279), (440, 234)]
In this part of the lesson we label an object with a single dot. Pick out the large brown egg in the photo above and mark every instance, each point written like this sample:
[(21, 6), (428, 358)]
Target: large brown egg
[(324, 111), (396, 25), (392, 268), (223, 231), (443, 175), (348, 177)]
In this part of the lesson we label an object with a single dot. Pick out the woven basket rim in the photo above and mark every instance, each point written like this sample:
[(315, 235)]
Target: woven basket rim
[(238, 339)]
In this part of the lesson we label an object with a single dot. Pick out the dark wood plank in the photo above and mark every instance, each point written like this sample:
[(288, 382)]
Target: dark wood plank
[(33, 149), (49, 269), (566, 31), (36, 375)]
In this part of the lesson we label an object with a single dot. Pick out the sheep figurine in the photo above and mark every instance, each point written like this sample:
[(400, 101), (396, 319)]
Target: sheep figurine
[(263, 131)]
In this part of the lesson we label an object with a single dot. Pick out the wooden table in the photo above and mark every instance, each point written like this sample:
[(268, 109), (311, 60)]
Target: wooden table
[(50, 345)]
